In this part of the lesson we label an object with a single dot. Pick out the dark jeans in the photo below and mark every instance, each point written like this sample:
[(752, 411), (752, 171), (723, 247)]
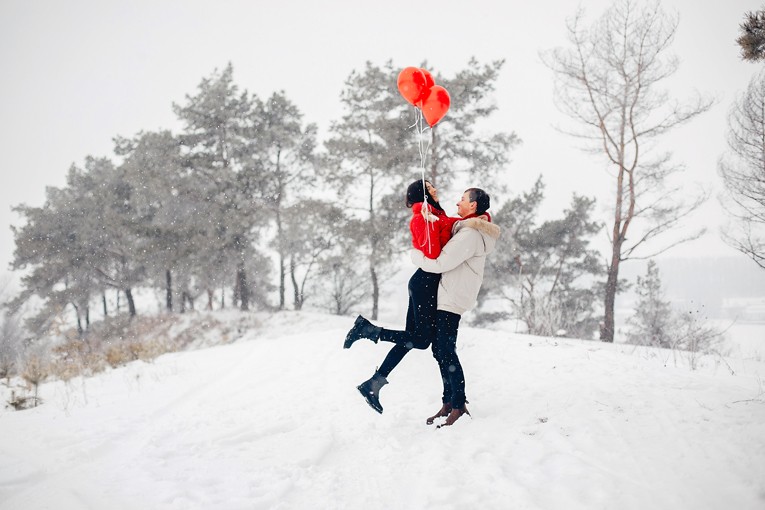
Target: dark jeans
[(420, 329), (445, 352)]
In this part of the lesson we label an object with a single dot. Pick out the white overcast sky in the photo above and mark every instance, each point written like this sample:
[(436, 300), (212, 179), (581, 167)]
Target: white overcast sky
[(75, 74)]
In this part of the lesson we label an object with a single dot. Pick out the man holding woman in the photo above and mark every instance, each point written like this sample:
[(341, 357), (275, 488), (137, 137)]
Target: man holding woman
[(458, 272)]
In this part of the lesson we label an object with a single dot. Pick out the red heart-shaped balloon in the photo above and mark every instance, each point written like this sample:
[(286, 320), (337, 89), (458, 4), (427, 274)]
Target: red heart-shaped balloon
[(412, 84), (429, 81), (435, 105)]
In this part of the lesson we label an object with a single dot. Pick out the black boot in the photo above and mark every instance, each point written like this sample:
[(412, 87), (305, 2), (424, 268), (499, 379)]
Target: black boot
[(370, 390), (362, 328)]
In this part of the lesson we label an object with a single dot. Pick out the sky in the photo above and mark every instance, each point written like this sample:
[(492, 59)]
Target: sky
[(76, 74)]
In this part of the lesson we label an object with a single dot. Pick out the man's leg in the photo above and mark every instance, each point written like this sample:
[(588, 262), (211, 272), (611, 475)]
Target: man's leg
[(448, 361)]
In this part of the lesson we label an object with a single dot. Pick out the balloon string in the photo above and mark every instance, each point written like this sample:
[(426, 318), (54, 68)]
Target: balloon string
[(423, 154)]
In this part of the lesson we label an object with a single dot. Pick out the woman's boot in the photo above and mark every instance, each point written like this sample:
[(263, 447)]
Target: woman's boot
[(370, 390), (362, 328)]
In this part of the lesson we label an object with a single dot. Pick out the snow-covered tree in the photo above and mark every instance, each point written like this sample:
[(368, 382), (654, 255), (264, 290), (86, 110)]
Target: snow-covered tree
[(220, 152), (311, 235), (11, 333), (164, 217), (285, 148), (458, 143), (547, 272), (653, 321), (370, 153), (81, 241)]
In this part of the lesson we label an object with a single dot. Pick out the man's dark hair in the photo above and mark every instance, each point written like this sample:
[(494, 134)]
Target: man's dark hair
[(481, 198)]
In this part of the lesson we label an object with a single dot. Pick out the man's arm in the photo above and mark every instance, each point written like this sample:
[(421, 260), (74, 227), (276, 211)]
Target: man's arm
[(460, 248)]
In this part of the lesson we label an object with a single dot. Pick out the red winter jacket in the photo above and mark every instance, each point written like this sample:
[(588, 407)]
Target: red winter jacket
[(438, 233), (430, 236)]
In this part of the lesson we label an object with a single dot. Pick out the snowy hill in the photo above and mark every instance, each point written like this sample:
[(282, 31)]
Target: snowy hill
[(273, 421)]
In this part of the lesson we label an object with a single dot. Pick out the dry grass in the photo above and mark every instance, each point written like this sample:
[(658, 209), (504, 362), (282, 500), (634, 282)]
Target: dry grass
[(116, 342)]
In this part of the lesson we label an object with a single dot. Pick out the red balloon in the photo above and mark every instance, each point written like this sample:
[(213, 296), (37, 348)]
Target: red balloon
[(429, 81), (435, 105), (412, 84)]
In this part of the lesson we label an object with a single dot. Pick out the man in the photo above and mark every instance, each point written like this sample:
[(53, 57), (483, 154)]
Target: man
[(461, 264)]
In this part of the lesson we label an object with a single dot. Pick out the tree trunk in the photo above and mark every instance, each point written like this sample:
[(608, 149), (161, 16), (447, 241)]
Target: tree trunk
[(79, 321), (131, 303), (87, 317), (210, 297), (183, 302), (280, 233), (223, 298), (282, 280), (373, 247), (103, 300), (297, 294), (375, 292), (168, 291), (608, 327), (236, 293), (244, 294)]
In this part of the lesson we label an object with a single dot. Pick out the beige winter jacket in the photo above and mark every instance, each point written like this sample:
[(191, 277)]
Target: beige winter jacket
[(461, 263)]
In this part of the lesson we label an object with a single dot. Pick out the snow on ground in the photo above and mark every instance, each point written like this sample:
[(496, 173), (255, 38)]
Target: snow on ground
[(273, 421)]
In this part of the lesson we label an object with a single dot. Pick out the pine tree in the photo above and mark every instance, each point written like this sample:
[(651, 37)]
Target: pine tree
[(547, 272), (456, 145), (653, 322), (81, 241), (752, 38), (286, 150), (221, 153), (152, 167), (369, 157)]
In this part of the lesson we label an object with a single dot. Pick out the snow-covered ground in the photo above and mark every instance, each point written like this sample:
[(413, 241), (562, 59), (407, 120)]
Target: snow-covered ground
[(273, 421)]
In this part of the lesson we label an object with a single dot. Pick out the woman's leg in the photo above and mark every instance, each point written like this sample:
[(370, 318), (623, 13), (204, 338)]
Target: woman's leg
[(419, 333), (421, 314), (391, 361)]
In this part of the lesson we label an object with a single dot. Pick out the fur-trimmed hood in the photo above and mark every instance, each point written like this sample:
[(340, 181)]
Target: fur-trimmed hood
[(483, 226), (489, 231)]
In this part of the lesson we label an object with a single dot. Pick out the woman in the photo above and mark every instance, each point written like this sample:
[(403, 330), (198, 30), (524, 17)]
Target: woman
[(431, 229)]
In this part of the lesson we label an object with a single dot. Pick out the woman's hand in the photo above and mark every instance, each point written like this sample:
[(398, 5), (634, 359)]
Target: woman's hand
[(429, 216)]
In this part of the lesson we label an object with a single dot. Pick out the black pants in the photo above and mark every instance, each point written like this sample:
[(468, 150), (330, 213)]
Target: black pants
[(420, 329), (445, 352)]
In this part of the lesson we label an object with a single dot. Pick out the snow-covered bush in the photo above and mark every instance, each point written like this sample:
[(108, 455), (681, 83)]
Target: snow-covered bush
[(656, 324)]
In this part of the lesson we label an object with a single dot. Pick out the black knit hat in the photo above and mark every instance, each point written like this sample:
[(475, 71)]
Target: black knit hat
[(415, 194)]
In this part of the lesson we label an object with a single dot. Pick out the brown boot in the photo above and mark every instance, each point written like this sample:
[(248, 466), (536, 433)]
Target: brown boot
[(444, 411), (454, 415)]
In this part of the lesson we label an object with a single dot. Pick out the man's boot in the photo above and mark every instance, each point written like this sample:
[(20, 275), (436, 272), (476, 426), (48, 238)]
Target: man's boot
[(370, 390), (362, 328), (444, 411), (454, 415)]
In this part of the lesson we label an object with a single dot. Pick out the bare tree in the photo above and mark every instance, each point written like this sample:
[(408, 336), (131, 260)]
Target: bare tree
[(743, 171), (607, 81)]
